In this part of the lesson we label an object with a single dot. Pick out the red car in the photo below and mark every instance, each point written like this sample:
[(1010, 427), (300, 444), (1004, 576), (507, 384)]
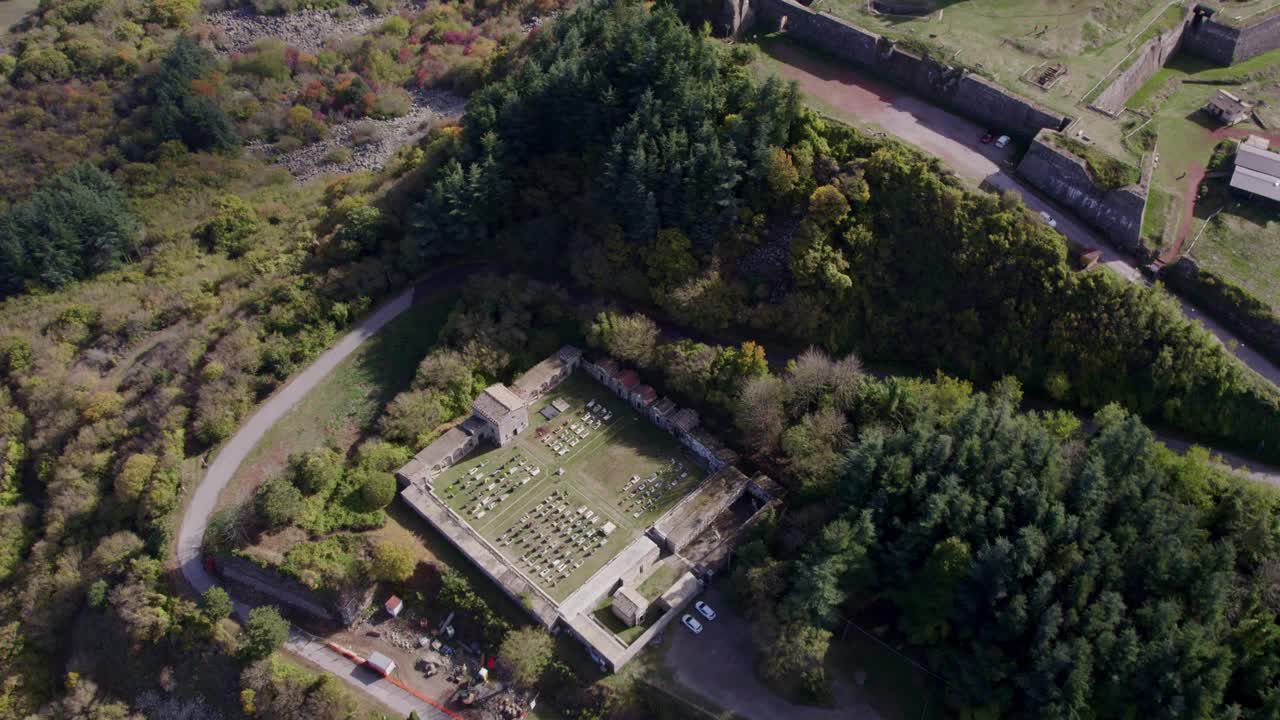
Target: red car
[(986, 139)]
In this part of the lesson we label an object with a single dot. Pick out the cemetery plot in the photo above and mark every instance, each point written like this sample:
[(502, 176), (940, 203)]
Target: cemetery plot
[(586, 478)]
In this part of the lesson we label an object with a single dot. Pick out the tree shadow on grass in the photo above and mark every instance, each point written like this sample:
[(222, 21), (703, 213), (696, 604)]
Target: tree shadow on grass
[(388, 366)]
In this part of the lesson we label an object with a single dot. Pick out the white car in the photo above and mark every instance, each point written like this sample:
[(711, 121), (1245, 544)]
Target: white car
[(1003, 141), (704, 610), (1048, 220), (694, 626)]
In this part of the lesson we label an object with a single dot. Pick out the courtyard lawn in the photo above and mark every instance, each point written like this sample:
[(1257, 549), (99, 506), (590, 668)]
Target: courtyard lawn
[(624, 632), (1239, 246), (662, 578), (533, 517)]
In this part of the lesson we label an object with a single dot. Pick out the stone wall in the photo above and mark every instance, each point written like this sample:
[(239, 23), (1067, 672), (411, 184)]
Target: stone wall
[(1227, 45), (1062, 176), (272, 584), (970, 95), (1249, 318), (1147, 61)]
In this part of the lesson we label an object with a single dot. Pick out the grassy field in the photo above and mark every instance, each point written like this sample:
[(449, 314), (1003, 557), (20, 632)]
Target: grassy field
[(662, 577), (1242, 244), (343, 408), (517, 497)]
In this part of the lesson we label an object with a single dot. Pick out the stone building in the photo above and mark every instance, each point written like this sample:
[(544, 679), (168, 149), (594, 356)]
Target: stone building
[(629, 605), (504, 413), (1227, 109), (642, 397)]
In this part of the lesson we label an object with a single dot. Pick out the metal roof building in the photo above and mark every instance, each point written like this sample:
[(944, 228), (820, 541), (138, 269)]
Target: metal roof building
[(1257, 170)]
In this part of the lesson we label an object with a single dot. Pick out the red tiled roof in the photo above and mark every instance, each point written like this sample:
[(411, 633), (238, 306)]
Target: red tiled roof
[(628, 379), (646, 394)]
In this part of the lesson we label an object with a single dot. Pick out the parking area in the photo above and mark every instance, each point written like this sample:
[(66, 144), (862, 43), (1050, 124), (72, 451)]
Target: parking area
[(718, 664)]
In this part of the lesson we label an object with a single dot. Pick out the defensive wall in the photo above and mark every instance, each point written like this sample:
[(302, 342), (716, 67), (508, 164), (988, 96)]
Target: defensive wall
[(1148, 60), (968, 94), (1226, 44), (1065, 178)]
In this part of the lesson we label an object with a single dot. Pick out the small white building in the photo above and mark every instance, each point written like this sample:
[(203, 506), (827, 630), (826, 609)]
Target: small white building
[(381, 664), (393, 606)]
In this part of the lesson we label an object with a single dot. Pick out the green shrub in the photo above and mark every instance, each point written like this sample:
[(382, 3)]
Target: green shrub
[(392, 562), (231, 229), (392, 103), (265, 632), (395, 26), (266, 61), (377, 488), (279, 503), (315, 469)]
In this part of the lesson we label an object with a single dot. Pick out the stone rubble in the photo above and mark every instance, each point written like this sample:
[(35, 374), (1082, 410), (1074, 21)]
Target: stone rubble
[(387, 136), (306, 30)]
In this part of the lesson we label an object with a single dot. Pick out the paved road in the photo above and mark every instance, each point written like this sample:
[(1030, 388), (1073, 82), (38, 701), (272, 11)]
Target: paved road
[(196, 519), (719, 665), (361, 678), (853, 95), (232, 454)]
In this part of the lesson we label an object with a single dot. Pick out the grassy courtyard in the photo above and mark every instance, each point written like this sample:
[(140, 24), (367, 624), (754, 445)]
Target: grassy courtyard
[(547, 499)]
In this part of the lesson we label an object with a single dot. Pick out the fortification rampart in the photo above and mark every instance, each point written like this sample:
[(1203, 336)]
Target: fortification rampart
[(1227, 44), (1147, 61), (1065, 178), (974, 97)]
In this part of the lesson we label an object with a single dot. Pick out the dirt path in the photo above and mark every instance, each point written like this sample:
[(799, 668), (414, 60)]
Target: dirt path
[(1195, 173)]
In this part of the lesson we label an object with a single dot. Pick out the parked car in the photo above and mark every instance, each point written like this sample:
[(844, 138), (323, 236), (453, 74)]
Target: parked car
[(988, 138), (694, 626), (1048, 220), (705, 610), (1003, 141)]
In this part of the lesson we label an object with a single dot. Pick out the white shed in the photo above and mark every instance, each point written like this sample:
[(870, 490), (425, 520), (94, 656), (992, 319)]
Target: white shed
[(381, 664)]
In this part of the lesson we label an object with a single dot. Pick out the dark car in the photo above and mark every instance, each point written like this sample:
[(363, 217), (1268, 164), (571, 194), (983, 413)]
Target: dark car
[(988, 138)]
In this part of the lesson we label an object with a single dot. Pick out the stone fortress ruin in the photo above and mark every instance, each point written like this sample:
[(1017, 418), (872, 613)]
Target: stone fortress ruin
[(596, 504)]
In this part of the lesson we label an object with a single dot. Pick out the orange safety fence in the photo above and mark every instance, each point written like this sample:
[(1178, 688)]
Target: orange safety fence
[(396, 681)]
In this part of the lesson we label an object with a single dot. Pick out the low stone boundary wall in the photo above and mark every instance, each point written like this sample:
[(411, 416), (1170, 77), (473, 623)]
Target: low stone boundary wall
[(1065, 178), (975, 97), (1246, 316)]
